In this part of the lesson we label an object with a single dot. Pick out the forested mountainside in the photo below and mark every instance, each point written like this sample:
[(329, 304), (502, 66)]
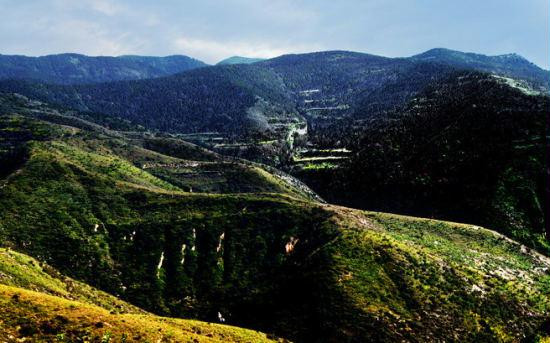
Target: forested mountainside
[(207, 99), (80, 69), (511, 65), (239, 60), (469, 148), (113, 209), (323, 88)]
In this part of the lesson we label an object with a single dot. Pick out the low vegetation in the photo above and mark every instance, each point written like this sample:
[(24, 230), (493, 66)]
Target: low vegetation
[(59, 309), (103, 209), (470, 149)]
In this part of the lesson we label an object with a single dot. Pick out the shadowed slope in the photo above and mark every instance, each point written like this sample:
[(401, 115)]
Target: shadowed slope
[(272, 260)]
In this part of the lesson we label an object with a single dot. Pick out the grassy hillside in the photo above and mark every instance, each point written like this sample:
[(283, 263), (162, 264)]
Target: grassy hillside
[(35, 317), (431, 279), (40, 304), (471, 149), (263, 255), (22, 271)]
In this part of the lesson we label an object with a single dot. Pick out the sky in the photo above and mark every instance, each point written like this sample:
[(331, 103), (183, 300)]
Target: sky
[(211, 30)]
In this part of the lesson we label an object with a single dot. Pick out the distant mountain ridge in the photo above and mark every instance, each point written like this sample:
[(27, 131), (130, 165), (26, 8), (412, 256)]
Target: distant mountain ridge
[(222, 98), (240, 60), (512, 65), (80, 69)]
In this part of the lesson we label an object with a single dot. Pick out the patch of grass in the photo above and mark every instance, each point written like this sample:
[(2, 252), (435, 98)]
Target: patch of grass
[(317, 166), (39, 317), (23, 271), (421, 277)]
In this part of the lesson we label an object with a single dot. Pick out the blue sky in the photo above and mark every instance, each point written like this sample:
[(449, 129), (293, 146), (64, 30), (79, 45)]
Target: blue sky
[(211, 30)]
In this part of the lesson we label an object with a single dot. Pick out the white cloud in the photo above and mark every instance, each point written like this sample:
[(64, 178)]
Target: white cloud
[(212, 29), (106, 7), (282, 12), (85, 37)]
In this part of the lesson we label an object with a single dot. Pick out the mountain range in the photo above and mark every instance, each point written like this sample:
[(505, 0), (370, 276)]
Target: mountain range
[(69, 69), (217, 194), (320, 87)]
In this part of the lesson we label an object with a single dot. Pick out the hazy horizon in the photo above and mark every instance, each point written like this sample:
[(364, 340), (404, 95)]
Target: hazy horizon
[(211, 32), (224, 58)]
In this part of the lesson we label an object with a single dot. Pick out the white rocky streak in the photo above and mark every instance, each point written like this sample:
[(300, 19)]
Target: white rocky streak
[(160, 264), (517, 84), (308, 92), (183, 247), (219, 247)]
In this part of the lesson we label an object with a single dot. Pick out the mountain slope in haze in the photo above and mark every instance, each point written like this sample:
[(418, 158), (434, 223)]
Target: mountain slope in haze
[(274, 260), (40, 304), (334, 72), (511, 65), (137, 157), (324, 88), (239, 60), (204, 100), (470, 148), (264, 98), (80, 69)]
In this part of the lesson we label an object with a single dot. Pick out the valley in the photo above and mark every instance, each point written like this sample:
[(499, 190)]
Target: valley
[(322, 197)]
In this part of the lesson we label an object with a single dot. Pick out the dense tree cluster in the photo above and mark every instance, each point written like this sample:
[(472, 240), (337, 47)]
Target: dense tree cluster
[(470, 149)]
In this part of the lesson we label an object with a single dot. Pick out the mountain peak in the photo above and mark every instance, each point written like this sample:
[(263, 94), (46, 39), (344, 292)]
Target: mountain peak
[(240, 60), (449, 53), (513, 56)]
